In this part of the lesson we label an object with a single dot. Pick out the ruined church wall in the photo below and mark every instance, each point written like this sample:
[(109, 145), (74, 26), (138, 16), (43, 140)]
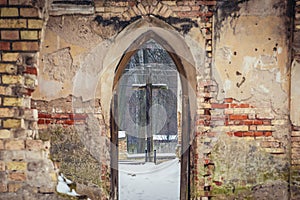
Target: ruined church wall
[(237, 55)]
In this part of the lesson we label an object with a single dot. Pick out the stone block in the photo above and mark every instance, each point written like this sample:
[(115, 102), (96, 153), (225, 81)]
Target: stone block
[(14, 187), (9, 12), (13, 101), (30, 82), (10, 57), (25, 46), (35, 165), (16, 166), (10, 35), (4, 134), (1, 144), (35, 24), (3, 187), (12, 79), (29, 35), (17, 176), (12, 23), (29, 12), (8, 68), (35, 145), (13, 123), (46, 189), (34, 155), (12, 155), (14, 145)]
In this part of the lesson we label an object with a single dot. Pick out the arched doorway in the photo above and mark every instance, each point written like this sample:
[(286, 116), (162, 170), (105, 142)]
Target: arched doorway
[(185, 117)]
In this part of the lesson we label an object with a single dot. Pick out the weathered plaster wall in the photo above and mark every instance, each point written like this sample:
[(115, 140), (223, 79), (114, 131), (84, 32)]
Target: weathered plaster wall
[(251, 65)]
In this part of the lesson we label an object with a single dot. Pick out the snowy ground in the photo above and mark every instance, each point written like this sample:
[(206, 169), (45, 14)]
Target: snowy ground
[(149, 181)]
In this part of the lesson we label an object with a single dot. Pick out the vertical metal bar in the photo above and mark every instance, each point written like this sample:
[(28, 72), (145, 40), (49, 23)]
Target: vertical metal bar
[(148, 106), (154, 156), (146, 157)]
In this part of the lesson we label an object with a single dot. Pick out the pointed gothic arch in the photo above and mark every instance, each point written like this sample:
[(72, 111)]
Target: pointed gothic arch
[(187, 115)]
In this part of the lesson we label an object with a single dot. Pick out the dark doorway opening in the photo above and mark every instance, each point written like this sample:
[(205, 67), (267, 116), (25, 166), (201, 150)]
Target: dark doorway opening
[(151, 79)]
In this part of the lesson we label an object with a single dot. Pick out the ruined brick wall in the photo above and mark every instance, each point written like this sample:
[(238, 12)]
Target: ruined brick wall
[(241, 133), (26, 170)]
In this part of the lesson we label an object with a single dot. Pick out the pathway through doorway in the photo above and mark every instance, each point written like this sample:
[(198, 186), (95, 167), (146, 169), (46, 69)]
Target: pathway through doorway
[(149, 181)]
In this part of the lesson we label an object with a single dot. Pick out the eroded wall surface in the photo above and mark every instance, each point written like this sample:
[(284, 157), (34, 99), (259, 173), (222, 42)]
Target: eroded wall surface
[(251, 68)]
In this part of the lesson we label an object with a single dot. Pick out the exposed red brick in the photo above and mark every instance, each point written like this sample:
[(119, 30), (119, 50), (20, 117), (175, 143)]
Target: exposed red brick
[(243, 105), (5, 46), (30, 70), (257, 122), (69, 122), (41, 121), (238, 122), (228, 100), (28, 92), (267, 133), (238, 134), (248, 122), (3, 2), (238, 117), (226, 122), (258, 134), (59, 121), (229, 133), (217, 105), (249, 134), (44, 115)]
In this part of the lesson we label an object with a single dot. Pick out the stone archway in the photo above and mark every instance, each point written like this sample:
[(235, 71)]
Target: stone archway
[(187, 92)]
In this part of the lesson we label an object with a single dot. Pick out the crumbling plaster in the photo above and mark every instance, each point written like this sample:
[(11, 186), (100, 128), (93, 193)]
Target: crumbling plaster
[(94, 61), (251, 55)]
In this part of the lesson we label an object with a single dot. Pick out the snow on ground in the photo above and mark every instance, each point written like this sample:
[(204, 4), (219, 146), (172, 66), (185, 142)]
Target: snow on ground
[(149, 181)]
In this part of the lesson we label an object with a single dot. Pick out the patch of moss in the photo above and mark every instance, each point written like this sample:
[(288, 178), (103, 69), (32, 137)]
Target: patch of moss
[(74, 160)]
